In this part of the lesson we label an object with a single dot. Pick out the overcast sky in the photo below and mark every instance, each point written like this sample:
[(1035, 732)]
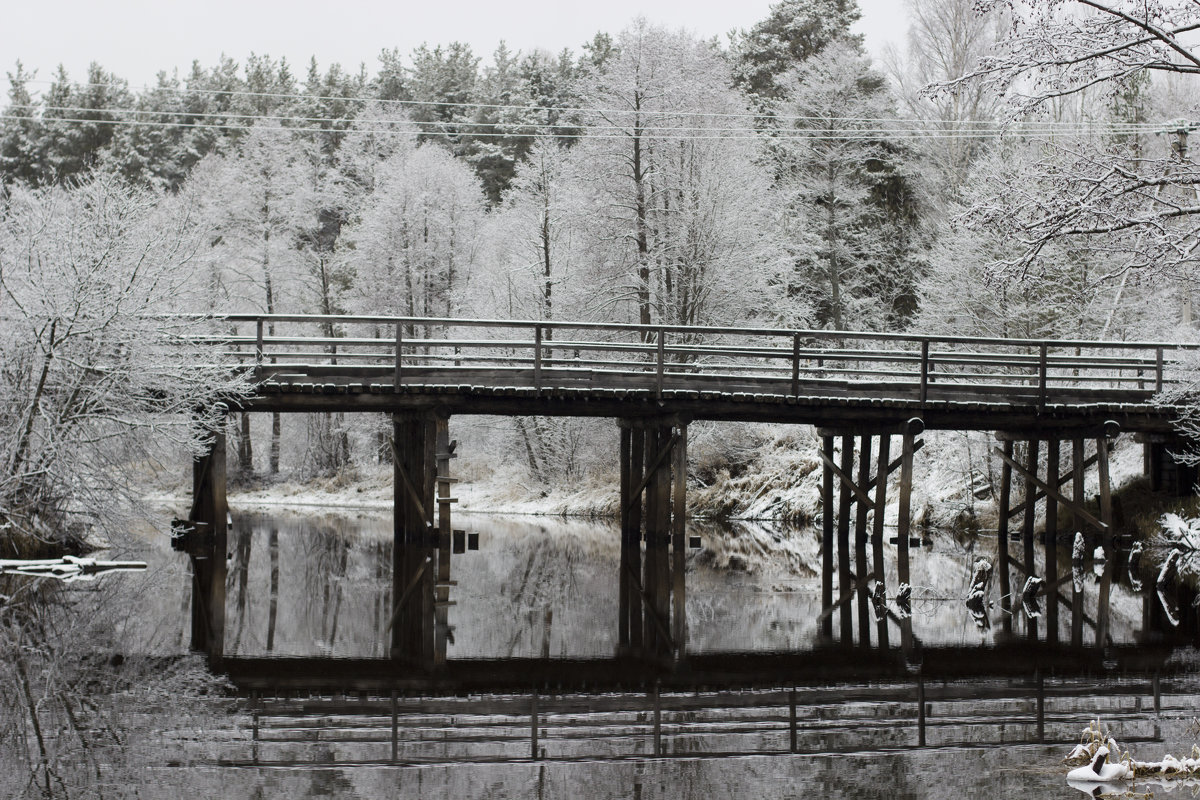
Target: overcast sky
[(137, 38)]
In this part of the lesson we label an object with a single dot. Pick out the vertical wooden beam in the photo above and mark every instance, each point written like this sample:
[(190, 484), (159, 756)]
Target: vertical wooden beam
[(846, 610), (636, 457), (653, 532), (903, 524), (444, 540), (428, 533), (627, 540), (1030, 500), (1002, 540), (220, 516), (401, 554), (662, 540), (860, 542), (679, 543), (1051, 548), (1106, 516), (877, 562), (827, 539), (209, 513), (1077, 484)]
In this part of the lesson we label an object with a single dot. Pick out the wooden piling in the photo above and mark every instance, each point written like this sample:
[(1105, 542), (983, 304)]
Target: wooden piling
[(827, 538), (210, 512), (636, 457), (1051, 539), (1002, 538), (1030, 501), (877, 561), (662, 542), (653, 531), (679, 542), (1077, 494), (845, 613), (445, 536), (1106, 540), (628, 540), (903, 523), (860, 542)]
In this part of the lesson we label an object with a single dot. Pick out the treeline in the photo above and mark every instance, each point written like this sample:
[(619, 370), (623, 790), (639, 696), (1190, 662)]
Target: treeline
[(777, 179)]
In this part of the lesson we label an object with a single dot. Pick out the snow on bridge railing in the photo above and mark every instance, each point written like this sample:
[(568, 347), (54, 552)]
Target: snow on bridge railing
[(551, 353)]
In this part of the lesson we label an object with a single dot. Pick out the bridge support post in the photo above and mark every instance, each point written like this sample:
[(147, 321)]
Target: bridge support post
[(1053, 465), (855, 488), (1002, 538), (1030, 500), (827, 538), (414, 544), (1077, 495), (860, 541), (653, 597), (846, 612), (207, 548)]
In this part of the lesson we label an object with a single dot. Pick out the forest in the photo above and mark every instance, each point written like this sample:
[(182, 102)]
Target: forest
[(1018, 170)]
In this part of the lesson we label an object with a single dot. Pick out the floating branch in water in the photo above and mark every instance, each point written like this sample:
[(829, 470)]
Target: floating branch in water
[(68, 569)]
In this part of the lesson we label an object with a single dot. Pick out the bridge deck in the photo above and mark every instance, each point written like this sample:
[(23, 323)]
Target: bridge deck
[(825, 378)]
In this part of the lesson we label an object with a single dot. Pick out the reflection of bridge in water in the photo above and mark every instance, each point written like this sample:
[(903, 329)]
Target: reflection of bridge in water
[(862, 391)]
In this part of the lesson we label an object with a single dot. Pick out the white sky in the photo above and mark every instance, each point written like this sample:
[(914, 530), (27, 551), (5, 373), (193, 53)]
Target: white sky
[(136, 38)]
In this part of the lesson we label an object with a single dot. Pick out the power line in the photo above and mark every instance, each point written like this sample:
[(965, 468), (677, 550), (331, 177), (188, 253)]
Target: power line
[(673, 134), (894, 127), (561, 109)]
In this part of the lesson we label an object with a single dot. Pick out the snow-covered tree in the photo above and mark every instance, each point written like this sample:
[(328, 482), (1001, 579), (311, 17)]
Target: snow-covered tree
[(93, 368), (1137, 212), (852, 220), (679, 220), (416, 239)]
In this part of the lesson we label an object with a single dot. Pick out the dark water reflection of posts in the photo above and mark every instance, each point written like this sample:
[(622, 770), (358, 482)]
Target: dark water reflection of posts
[(545, 588)]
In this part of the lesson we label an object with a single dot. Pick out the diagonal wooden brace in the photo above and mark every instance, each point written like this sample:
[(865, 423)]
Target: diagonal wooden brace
[(412, 491), (649, 476), (894, 465), (648, 605), (1074, 507), (408, 590), (847, 595), (862, 496), (1062, 479)]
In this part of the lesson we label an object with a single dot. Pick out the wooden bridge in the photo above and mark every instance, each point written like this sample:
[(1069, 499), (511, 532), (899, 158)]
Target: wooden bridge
[(859, 389)]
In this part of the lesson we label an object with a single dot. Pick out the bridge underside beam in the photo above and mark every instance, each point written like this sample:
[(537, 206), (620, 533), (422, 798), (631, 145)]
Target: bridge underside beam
[(652, 599), (842, 413)]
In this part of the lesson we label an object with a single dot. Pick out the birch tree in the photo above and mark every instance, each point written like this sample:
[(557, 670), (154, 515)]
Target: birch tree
[(678, 196)]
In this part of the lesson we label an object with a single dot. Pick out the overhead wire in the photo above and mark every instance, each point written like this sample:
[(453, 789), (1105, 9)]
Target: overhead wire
[(751, 115), (414, 129)]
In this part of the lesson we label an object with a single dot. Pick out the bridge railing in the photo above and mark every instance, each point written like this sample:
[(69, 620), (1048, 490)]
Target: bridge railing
[(553, 354)]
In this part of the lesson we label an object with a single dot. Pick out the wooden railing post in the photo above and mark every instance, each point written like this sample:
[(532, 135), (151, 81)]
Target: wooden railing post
[(1042, 391), (537, 358), (399, 344), (924, 370), (258, 348), (795, 365), (1158, 370), (661, 358)]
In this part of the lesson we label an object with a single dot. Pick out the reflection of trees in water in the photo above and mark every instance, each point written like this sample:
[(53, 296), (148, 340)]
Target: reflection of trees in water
[(545, 575), (325, 552), (273, 612), (239, 575)]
